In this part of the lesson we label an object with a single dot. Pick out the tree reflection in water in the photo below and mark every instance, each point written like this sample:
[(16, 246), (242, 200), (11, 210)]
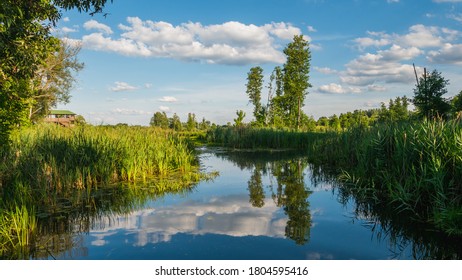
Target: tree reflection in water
[(286, 172), (274, 177), (289, 191)]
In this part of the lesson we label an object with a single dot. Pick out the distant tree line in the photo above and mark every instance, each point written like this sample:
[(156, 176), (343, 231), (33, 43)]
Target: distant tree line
[(160, 119), (429, 101)]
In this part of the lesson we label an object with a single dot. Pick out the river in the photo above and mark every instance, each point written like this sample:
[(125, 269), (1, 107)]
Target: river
[(262, 205)]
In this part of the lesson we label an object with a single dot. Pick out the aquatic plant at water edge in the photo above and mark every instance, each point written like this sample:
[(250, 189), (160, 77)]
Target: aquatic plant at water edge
[(56, 158)]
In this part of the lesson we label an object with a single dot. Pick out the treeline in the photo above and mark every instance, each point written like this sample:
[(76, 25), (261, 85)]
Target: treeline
[(160, 119), (396, 111)]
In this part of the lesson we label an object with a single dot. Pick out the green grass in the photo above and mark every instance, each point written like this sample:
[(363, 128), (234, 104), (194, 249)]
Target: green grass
[(46, 165), (413, 167), (57, 158), (262, 138), (17, 229)]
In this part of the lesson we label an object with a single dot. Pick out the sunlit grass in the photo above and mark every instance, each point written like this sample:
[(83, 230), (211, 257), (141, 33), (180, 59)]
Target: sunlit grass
[(262, 138), (17, 228), (84, 157), (47, 164), (414, 167)]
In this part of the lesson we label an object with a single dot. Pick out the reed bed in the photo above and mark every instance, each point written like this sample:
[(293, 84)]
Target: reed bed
[(17, 228), (58, 158), (413, 167), (416, 168), (263, 138), (47, 164)]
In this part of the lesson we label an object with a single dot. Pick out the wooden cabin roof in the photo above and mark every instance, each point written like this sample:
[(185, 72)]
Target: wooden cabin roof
[(62, 112)]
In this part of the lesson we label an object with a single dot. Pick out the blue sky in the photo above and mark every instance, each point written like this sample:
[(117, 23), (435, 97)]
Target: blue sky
[(193, 56)]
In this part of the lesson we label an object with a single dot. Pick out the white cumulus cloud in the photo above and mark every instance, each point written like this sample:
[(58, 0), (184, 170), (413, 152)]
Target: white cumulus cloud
[(122, 86), (338, 89), (164, 109), (227, 43), (169, 99), (94, 25), (448, 54), (325, 70), (390, 62)]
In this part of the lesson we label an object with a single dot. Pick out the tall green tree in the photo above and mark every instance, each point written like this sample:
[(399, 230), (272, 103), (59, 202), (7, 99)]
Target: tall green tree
[(397, 110), (54, 80), (254, 91), (296, 78), (429, 95), (25, 44), (160, 119), (175, 123), (191, 123), (277, 109)]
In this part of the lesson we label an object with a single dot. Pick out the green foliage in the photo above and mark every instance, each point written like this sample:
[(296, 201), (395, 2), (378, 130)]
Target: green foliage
[(17, 230), (204, 124), (412, 167), (284, 109), (58, 158), (159, 119), (456, 103), (296, 76), (428, 96), (191, 123), (276, 103), (397, 110), (254, 91), (262, 138), (175, 123), (25, 44), (53, 80), (239, 121), (88, 6)]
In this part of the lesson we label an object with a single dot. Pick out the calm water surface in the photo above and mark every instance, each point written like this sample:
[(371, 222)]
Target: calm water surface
[(261, 206)]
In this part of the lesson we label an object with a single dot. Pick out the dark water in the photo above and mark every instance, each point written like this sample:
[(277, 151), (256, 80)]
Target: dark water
[(261, 206)]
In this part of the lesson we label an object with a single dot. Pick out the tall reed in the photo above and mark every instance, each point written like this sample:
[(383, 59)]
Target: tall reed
[(17, 229), (262, 138), (57, 158), (46, 166), (414, 167)]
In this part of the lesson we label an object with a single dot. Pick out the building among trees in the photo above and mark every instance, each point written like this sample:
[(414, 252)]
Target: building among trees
[(64, 118)]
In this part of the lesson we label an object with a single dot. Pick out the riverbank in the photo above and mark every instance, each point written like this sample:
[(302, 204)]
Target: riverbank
[(412, 167), (46, 164)]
